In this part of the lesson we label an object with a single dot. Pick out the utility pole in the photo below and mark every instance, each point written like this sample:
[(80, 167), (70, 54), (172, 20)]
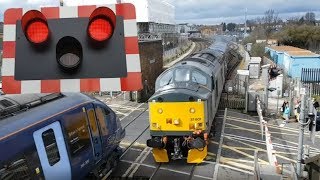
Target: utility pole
[(301, 135), (265, 76), (291, 98), (245, 23), (278, 94)]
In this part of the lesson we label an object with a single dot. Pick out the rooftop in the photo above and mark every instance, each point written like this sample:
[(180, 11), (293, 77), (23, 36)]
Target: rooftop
[(302, 53), (286, 48), (294, 51)]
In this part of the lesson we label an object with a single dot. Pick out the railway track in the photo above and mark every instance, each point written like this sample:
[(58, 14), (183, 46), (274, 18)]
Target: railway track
[(132, 143), (200, 45)]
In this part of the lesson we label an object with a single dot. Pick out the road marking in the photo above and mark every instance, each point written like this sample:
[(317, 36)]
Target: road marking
[(136, 144), (270, 126), (245, 129), (237, 165), (137, 160), (141, 164), (141, 161), (215, 173), (132, 111), (236, 169), (286, 158), (203, 177), (241, 152), (222, 135), (176, 171)]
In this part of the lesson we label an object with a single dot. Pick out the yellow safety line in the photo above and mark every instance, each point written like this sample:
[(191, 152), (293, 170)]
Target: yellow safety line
[(277, 153), (235, 164), (246, 129), (258, 131), (243, 161), (136, 144), (286, 158), (270, 126), (240, 152), (246, 120)]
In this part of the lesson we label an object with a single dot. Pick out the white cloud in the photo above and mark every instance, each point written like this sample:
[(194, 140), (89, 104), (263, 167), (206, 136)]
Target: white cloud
[(197, 11)]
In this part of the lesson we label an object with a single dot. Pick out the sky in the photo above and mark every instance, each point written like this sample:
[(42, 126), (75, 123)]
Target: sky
[(205, 11)]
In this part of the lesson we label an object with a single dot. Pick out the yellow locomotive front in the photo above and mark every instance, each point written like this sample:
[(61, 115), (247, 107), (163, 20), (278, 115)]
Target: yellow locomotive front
[(178, 130)]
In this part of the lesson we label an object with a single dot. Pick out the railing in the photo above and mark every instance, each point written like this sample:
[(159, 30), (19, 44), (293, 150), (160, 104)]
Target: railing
[(265, 133), (311, 76), (149, 37)]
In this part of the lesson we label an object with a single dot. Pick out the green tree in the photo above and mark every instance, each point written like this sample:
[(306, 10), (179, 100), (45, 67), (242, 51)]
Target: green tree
[(303, 36), (224, 27), (257, 49), (231, 26)]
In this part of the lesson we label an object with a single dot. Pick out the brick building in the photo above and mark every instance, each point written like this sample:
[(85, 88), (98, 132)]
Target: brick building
[(151, 65)]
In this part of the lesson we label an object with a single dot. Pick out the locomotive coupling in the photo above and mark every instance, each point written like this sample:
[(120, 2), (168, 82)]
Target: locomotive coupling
[(157, 142)]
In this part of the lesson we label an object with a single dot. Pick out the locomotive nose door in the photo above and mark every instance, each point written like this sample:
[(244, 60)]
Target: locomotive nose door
[(95, 133)]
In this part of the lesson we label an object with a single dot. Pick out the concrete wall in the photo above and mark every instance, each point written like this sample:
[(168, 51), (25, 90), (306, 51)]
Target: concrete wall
[(278, 84), (151, 57)]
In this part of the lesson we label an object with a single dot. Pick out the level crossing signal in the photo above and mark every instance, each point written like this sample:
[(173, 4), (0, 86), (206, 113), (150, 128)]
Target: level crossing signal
[(71, 49)]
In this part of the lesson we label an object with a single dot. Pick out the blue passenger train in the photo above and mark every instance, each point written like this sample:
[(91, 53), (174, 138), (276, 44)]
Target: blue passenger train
[(57, 136)]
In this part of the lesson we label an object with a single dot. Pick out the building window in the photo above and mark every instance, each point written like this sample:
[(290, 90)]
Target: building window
[(77, 132), (51, 147)]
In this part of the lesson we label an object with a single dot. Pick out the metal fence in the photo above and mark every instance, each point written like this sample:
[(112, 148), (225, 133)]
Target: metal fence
[(311, 76)]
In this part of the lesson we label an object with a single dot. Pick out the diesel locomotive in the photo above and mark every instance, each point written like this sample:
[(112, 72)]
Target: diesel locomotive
[(57, 136), (182, 110)]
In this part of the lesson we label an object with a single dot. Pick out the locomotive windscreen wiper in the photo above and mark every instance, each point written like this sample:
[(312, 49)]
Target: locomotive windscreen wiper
[(169, 81)]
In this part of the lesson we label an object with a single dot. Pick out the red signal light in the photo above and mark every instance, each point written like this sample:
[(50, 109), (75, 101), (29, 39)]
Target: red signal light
[(35, 26), (101, 24), (100, 29)]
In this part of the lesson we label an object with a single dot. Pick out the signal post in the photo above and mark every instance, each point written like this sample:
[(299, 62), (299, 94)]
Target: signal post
[(71, 49)]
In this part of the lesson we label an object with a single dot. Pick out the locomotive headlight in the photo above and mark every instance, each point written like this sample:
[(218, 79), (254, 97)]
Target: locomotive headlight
[(192, 110), (160, 111)]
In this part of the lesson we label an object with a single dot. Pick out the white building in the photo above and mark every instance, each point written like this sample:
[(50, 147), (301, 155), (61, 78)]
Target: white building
[(157, 11)]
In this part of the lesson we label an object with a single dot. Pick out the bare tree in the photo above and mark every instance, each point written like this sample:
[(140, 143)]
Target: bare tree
[(270, 20), (310, 17)]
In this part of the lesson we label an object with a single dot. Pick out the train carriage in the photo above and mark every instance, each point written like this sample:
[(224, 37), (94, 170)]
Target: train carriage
[(187, 96), (77, 138)]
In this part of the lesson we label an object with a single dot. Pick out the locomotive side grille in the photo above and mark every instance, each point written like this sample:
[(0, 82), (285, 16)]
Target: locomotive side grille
[(5, 103)]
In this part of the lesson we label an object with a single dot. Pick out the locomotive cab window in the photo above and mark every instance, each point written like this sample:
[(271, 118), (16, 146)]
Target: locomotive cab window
[(182, 75), (199, 78), (166, 79)]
